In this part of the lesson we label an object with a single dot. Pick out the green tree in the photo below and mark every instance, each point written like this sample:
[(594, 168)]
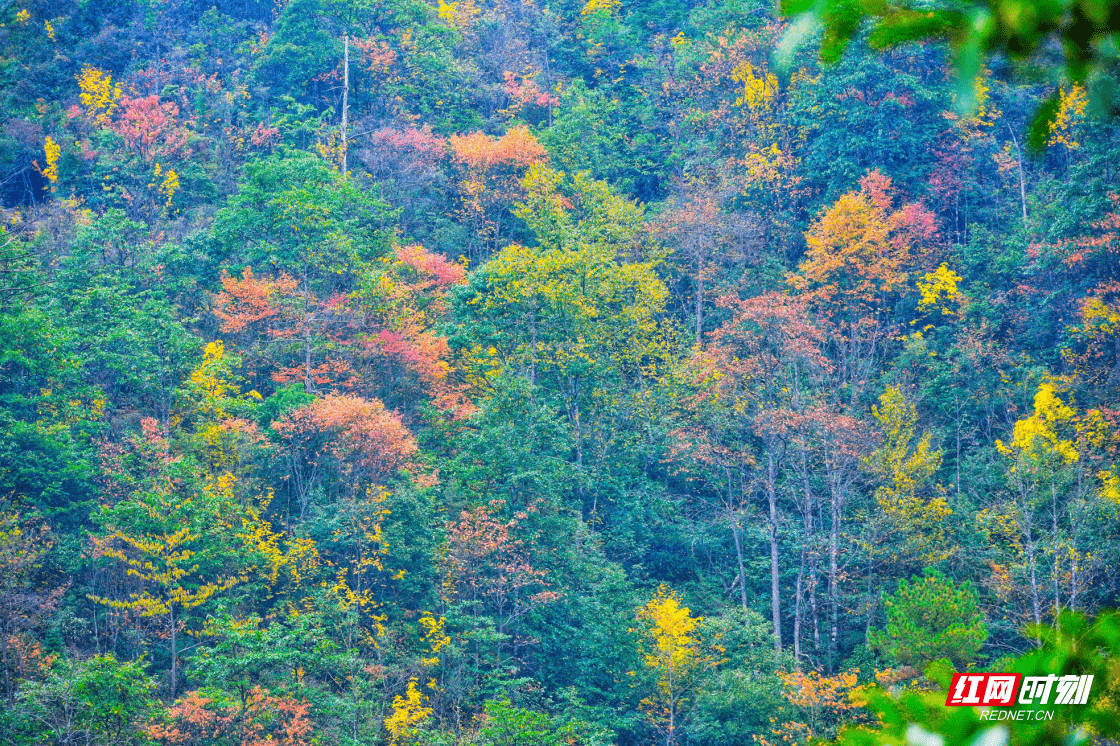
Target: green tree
[(100, 700), (931, 618)]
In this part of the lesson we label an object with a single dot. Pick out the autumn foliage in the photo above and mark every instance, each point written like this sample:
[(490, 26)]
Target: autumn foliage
[(261, 720), (506, 373), (362, 438), (862, 248), (491, 169)]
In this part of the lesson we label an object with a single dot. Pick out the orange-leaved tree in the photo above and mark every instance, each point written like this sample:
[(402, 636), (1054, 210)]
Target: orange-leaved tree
[(356, 440), (861, 252), (283, 325), (822, 704), (262, 719), (490, 181), (398, 304)]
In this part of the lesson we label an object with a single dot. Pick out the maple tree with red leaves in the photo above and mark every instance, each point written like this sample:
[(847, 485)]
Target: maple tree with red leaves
[(369, 341)]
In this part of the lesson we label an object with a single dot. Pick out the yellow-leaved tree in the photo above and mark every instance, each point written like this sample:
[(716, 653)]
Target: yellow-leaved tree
[(903, 466), (51, 150), (674, 651), (1049, 563), (908, 529), (170, 583), (580, 313), (408, 712), (98, 95), (938, 290)]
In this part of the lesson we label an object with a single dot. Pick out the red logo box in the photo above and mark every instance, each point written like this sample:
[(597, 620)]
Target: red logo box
[(983, 689)]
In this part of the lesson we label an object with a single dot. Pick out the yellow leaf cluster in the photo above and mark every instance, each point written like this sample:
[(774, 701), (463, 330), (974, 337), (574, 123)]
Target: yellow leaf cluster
[(408, 712), (595, 6), (938, 289), (1110, 486), (295, 558), (213, 380), (1036, 437), (162, 562), (170, 184), (435, 638), (51, 150), (812, 690), (98, 94), (671, 630), (760, 88), (459, 15), (1071, 112), (904, 464), (1095, 312)]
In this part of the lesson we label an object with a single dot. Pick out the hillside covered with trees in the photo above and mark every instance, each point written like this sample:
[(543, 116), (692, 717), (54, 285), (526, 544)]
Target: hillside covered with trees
[(540, 372)]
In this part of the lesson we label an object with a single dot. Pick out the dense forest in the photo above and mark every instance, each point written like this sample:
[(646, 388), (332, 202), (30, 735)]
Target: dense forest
[(543, 373)]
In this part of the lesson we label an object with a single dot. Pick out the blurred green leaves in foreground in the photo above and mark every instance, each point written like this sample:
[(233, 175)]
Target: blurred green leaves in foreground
[(1058, 41), (1074, 645)]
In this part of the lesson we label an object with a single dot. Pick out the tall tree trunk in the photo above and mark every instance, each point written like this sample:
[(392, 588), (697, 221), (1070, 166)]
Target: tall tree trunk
[(174, 656), (345, 94), (833, 582), (775, 572), (869, 602), (798, 602), (1036, 600), (1022, 177), (1054, 544), (307, 385), (806, 552), (739, 557), (733, 517), (699, 299)]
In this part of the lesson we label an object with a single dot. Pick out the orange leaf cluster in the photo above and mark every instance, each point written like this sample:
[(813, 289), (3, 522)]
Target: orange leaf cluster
[(262, 720), (363, 434), (860, 250), (516, 148), (249, 300)]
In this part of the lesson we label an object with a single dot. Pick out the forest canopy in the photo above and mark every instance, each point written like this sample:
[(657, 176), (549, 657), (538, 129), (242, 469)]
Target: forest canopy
[(567, 373)]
